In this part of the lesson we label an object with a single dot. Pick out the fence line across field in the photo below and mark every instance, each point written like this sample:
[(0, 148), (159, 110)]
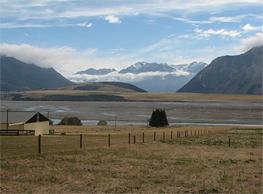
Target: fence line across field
[(74, 142)]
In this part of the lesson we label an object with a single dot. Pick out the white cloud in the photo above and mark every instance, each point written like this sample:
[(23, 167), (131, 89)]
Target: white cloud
[(113, 19), (220, 32), (32, 25), (248, 43), (86, 25), (227, 19), (126, 77), (44, 9), (249, 27), (65, 60)]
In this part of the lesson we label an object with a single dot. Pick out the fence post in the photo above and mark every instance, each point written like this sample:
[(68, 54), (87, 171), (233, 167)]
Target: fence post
[(163, 136), (191, 133), (171, 134), (154, 136), (80, 141), (109, 140), (134, 139), (129, 138), (229, 141), (143, 137), (39, 144)]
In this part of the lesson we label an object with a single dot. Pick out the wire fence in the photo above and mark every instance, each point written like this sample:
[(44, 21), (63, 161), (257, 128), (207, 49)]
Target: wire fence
[(14, 145)]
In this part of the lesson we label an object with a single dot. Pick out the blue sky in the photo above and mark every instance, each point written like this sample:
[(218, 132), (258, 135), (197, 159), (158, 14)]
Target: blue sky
[(73, 35)]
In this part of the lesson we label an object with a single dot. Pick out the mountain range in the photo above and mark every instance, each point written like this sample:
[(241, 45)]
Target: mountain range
[(240, 74), (142, 67), (17, 75), (92, 71), (153, 77)]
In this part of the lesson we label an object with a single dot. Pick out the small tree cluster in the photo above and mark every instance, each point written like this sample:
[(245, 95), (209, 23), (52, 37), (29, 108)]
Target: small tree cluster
[(158, 118), (70, 121), (102, 123)]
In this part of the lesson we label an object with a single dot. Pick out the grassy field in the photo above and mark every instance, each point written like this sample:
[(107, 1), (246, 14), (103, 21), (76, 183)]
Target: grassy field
[(82, 95), (200, 164)]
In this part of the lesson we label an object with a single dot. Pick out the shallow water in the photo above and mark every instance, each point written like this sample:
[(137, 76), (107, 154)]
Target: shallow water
[(139, 112)]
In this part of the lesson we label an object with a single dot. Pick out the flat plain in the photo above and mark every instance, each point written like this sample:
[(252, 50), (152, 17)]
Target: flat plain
[(201, 163)]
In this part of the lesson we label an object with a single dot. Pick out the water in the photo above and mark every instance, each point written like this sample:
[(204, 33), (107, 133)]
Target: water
[(139, 112)]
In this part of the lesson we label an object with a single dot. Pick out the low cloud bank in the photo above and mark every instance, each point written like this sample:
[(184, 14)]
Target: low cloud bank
[(126, 77)]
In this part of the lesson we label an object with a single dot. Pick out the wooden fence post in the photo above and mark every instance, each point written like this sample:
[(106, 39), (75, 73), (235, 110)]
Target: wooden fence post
[(171, 134), (229, 141), (109, 140), (163, 136), (39, 144), (134, 139), (154, 136), (129, 138), (80, 141), (142, 137)]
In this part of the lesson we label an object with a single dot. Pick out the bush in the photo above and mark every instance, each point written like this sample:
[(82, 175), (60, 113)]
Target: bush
[(70, 121), (102, 122), (158, 118)]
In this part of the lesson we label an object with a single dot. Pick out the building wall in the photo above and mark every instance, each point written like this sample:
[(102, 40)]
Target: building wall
[(2, 125), (41, 128), (11, 126)]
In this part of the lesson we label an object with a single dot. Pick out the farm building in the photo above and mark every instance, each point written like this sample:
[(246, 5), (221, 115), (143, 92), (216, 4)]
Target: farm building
[(32, 121)]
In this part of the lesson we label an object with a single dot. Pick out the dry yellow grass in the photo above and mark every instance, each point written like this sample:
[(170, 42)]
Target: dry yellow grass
[(124, 129), (157, 97), (203, 164)]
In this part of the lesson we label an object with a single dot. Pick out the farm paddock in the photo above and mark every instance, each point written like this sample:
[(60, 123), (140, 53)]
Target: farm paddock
[(204, 164)]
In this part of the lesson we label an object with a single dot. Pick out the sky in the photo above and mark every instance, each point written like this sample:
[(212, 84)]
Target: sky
[(73, 35)]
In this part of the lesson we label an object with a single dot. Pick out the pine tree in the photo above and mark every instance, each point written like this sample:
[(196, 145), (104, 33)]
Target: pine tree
[(158, 118)]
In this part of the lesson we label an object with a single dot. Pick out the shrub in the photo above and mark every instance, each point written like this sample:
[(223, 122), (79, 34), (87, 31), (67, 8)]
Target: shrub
[(158, 118), (102, 122), (70, 121)]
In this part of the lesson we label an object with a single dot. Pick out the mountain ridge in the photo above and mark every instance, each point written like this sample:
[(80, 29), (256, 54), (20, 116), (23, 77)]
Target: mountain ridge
[(153, 77), (92, 71), (238, 74), (17, 75)]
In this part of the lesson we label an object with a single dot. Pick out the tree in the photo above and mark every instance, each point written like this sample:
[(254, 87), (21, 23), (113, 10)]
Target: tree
[(158, 118), (70, 121), (102, 122)]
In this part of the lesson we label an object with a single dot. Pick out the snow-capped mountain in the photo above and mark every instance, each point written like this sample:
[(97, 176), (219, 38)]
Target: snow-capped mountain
[(153, 77), (92, 71), (142, 67), (193, 67)]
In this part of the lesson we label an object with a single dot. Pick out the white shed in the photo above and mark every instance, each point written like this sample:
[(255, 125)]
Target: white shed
[(25, 121)]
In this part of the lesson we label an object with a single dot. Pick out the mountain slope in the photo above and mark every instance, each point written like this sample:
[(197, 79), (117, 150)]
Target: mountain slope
[(104, 87), (19, 76), (142, 67), (241, 74), (92, 71), (153, 77)]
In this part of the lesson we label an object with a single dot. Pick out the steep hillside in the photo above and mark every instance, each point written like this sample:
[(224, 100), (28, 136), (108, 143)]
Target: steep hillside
[(92, 71), (105, 86), (17, 75), (241, 74)]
